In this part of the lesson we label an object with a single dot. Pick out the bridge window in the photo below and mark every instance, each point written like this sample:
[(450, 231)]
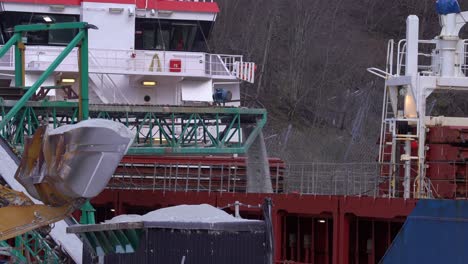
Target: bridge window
[(53, 37), (173, 35)]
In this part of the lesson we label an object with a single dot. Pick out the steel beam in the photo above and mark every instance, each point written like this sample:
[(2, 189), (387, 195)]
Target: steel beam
[(58, 26), (13, 40), (19, 64), (20, 104), (84, 77)]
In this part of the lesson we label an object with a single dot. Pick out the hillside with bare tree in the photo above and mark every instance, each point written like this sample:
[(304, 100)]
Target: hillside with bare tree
[(312, 58)]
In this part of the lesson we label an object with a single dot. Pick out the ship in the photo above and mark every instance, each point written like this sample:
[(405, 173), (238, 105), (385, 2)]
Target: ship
[(149, 67)]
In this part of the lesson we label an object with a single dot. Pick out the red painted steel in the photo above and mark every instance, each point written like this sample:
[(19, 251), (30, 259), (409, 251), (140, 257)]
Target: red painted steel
[(446, 152), (183, 6), (175, 65), (447, 135), (446, 164), (356, 230), (185, 160), (446, 158)]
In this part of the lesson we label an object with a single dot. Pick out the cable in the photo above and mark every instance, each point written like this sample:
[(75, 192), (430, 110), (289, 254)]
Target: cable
[(162, 36), (204, 37)]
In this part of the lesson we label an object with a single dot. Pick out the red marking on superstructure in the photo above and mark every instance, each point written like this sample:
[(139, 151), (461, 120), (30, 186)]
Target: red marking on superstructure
[(46, 2), (202, 7)]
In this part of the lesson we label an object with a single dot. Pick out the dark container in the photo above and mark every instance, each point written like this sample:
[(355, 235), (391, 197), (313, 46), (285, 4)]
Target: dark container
[(195, 243), (435, 232)]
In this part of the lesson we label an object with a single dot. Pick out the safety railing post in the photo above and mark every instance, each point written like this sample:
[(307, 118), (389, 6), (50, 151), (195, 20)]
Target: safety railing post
[(302, 180), (84, 76), (277, 178), (198, 175)]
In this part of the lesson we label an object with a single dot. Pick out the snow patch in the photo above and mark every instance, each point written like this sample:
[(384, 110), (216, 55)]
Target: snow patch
[(203, 213), (124, 219)]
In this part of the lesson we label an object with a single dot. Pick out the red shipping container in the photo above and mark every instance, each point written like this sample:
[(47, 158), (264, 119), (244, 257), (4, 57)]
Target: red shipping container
[(175, 65)]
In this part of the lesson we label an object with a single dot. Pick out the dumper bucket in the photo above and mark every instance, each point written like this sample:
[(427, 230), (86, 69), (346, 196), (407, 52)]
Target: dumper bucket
[(72, 162)]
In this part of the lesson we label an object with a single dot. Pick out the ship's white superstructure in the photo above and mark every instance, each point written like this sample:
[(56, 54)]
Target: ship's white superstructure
[(143, 52)]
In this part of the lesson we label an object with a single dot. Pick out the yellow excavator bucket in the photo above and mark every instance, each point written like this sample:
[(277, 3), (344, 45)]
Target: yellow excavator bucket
[(62, 168)]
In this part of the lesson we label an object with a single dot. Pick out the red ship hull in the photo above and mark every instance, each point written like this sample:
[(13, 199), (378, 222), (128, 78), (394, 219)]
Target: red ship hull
[(308, 228)]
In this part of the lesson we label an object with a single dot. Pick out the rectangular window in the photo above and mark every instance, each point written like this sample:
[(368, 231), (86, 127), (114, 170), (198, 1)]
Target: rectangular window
[(172, 35), (8, 20)]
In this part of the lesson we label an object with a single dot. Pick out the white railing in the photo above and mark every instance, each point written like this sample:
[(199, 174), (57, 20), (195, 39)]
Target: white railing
[(142, 62), (429, 59), (429, 64), (105, 84), (233, 64), (464, 59)]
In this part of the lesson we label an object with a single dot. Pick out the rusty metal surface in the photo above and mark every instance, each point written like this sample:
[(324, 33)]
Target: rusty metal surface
[(76, 162)]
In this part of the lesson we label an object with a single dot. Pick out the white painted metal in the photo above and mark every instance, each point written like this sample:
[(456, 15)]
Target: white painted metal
[(442, 69), (412, 39), (411, 69), (197, 91), (46, 9), (407, 178), (117, 69), (116, 75)]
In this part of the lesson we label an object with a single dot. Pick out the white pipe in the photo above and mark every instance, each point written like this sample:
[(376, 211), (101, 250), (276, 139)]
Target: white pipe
[(236, 208), (412, 41), (411, 68), (448, 50), (407, 178)]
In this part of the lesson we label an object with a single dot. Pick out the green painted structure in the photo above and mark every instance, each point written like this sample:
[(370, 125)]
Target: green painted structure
[(161, 130), (32, 246)]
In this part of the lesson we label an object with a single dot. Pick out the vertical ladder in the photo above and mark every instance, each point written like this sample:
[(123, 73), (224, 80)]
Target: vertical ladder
[(387, 139)]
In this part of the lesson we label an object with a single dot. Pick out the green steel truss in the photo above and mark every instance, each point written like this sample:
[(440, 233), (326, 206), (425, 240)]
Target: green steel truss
[(159, 129), (80, 40), (30, 248), (19, 119)]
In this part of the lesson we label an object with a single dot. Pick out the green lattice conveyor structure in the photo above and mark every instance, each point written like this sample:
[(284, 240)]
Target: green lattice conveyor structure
[(160, 129)]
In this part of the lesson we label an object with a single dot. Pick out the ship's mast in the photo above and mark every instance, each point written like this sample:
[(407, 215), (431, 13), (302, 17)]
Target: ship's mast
[(405, 121)]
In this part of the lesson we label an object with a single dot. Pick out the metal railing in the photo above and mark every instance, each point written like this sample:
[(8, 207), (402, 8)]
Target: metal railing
[(133, 61), (348, 179), (464, 59), (229, 177), (428, 63)]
